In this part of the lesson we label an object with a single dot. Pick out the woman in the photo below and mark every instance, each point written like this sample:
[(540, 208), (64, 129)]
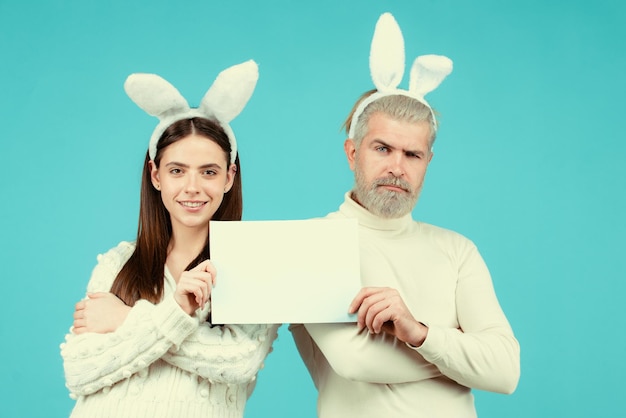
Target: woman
[(142, 344)]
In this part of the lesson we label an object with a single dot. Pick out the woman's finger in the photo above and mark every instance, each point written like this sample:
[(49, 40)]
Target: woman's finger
[(79, 305), (79, 323), (79, 314), (207, 267)]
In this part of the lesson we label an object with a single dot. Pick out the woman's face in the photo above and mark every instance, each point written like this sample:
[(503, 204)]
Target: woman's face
[(193, 176)]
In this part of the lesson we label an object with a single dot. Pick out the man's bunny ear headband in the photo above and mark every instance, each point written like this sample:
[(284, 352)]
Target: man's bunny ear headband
[(387, 68), (224, 100)]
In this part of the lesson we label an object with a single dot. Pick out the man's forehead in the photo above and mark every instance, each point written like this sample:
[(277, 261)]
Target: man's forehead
[(397, 133)]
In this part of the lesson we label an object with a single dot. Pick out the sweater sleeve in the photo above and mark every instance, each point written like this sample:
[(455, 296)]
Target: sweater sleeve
[(226, 353), (93, 361), (484, 353), (360, 356)]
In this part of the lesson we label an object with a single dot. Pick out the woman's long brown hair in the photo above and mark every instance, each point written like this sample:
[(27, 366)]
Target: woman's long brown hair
[(142, 275)]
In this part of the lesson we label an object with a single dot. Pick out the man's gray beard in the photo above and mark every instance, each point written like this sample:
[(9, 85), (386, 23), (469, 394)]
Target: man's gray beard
[(382, 202)]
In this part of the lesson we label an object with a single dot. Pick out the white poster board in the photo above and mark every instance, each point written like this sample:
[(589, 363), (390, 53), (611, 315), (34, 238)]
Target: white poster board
[(284, 271)]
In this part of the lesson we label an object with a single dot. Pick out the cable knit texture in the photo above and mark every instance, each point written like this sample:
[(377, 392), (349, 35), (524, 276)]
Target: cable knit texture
[(162, 362)]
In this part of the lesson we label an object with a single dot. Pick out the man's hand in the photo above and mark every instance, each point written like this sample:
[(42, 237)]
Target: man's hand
[(194, 287), (100, 312), (382, 309)]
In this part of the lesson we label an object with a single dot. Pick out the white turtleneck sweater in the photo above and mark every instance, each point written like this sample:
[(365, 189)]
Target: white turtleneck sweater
[(162, 362), (446, 285)]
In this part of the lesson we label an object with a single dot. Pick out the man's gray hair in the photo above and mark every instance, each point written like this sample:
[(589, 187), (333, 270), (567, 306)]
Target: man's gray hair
[(398, 107)]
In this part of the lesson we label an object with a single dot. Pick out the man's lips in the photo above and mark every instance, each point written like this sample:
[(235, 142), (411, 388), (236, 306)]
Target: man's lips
[(394, 188)]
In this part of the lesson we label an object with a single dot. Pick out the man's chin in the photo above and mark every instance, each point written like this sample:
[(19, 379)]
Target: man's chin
[(391, 207)]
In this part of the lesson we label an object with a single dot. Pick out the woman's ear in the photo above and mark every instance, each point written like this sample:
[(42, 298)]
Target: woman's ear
[(154, 175), (230, 177)]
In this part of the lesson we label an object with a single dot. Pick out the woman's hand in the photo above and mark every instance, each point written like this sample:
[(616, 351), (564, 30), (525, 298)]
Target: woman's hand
[(194, 287), (100, 312)]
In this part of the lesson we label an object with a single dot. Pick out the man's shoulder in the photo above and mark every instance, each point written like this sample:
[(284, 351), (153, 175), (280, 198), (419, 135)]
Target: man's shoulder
[(438, 232), (334, 215)]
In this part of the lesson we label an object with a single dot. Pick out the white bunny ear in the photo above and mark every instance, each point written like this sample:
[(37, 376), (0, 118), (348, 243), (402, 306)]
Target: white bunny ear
[(230, 91), (427, 72), (387, 54), (155, 95), (224, 100)]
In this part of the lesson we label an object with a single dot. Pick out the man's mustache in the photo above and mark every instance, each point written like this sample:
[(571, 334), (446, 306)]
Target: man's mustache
[(393, 181)]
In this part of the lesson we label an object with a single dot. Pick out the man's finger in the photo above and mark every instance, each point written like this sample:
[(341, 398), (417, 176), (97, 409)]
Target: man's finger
[(363, 294)]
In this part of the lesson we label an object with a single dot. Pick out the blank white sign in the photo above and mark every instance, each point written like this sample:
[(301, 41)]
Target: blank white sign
[(274, 272)]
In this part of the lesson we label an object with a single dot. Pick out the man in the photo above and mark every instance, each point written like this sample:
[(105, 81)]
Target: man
[(429, 326)]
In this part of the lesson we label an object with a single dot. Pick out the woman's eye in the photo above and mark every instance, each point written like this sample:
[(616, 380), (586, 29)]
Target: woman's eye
[(210, 173), (175, 171)]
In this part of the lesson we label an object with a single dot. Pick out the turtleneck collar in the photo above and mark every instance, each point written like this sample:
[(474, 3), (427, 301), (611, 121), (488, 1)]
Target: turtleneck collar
[(352, 209)]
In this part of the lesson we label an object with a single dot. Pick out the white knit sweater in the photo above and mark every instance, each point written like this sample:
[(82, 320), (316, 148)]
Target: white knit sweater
[(162, 362)]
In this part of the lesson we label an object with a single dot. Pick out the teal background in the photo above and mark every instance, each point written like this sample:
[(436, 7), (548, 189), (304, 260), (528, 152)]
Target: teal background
[(529, 164)]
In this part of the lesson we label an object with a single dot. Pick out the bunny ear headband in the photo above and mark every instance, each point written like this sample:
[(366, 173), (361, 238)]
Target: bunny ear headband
[(224, 100), (387, 68)]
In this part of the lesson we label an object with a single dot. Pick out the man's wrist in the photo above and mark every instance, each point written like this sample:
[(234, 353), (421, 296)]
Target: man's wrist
[(420, 336)]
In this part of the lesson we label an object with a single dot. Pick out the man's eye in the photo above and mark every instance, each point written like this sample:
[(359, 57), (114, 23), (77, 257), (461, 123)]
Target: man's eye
[(382, 149)]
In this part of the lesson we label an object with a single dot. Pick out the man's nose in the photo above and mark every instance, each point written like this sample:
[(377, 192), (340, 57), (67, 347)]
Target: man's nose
[(396, 165)]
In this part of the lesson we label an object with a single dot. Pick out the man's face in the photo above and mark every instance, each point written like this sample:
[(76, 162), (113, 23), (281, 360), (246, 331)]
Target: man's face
[(389, 165)]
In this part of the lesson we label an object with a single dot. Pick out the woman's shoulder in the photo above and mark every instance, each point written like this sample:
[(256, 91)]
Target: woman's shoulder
[(124, 247), (118, 254), (109, 265)]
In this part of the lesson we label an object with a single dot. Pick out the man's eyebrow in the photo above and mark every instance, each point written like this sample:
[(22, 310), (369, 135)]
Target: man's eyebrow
[(384, 144), (416, 152)]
